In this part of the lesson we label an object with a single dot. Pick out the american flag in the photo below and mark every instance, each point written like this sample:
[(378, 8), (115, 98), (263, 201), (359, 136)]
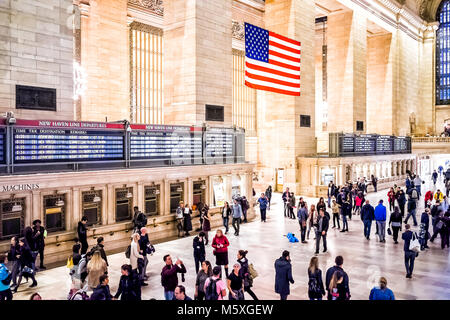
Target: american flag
[(272, 61)]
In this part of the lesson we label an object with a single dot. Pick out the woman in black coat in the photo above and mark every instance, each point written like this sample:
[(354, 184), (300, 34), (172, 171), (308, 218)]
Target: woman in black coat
[(199, 250), (129, 285), (245, 273), (283, 275), (13, 260), (25, 264), (315, 284), (187, 225)]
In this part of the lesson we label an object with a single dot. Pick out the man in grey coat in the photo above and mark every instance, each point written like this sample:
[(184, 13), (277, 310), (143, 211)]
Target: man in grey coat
[(237, 215), (302, 216)]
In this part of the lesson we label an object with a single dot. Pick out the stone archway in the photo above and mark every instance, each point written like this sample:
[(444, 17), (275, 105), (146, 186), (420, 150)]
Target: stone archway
[(428, 9)]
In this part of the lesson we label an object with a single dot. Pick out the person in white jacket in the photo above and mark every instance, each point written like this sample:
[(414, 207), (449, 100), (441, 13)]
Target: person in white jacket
[(135, 251)]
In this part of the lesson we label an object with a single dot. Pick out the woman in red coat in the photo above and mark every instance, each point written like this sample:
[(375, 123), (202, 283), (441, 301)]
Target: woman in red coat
[(391, 198), (428, 196), (220, 244)]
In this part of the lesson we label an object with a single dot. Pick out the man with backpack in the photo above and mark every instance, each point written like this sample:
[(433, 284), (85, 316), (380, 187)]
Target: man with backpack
[(82, 234), (139, 220), (169, 277), (5, 279), (214, 286)]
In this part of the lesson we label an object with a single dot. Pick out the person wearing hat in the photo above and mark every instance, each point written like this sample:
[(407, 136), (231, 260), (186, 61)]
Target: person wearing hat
[(382, 292), (39, 234)]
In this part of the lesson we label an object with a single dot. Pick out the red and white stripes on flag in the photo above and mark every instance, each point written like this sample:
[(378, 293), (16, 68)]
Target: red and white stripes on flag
[(272, 61)]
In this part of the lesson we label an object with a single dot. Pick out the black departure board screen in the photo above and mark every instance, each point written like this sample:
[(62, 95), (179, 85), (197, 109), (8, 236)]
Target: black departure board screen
[(2, 144), (385, 144), (166, 142), (219, 145), (372, 144), (67, 141)]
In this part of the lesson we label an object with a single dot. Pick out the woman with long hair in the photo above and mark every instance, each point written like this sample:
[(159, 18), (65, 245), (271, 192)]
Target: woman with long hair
[(25, 264), (96, 267), (321, 205), (220, 244), (315, 284), (245, 272), (204, 273), (337, 288), (187, 223), (226, 212), (206, 222), (312, 219), (135, 252)]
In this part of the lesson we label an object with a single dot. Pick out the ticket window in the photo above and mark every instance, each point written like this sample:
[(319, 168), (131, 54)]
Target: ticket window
[(54, 212), (124, 203), (326, 176), (199, 192), (152, 200), (176, 195), (92, 206), (12, 216)]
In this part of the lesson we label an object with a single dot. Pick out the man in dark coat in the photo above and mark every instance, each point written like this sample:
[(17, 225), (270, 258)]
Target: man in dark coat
[(169, 277), (38, 238), (102, 291), (199, 250), (139, 220), (245, 206), (331, 192), (82, 234), (321, 230), (338, 267), (283, 275), (367, 216), (410, 255)]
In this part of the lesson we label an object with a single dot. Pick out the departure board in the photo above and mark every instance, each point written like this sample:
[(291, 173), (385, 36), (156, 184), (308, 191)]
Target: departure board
[(41, 141), (372, 144), (219, 145), (385, 144), (365, 144), (2, 144), (166, 142)]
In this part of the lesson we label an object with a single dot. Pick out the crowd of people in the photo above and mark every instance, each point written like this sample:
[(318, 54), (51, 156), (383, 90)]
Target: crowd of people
[(88, 269)]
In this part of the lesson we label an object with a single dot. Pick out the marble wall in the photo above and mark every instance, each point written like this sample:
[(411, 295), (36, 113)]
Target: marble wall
[(36, 49)]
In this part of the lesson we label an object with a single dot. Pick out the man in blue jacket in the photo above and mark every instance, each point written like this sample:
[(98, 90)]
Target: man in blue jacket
[(380, 217), (263, 202), (367, 216), (5, 291)]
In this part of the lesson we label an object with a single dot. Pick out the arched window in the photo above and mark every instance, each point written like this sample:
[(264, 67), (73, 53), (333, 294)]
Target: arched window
[(443, 54)]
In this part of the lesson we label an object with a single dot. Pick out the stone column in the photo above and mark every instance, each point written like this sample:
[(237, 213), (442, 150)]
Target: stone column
[(166, 198), (140, 196), (427, 113), (228, 185), (110, 216), (316, 175), (36, 211), (190, 191), (280, 127), (197, 40), (76, 206), (380, 90), (69, 210), (347, 68), (340, 176)]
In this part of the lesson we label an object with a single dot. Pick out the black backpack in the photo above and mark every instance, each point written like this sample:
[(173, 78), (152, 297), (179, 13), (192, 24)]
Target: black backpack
[(211, 290)]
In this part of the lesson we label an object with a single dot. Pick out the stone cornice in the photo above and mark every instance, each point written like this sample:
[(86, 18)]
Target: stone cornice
[(154, 6), (256, 4)]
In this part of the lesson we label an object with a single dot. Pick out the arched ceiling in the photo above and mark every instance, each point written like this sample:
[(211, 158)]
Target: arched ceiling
[(427, 8)]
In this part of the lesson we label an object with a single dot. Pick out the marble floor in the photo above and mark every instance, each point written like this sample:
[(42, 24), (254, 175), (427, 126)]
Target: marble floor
[(364, 261)]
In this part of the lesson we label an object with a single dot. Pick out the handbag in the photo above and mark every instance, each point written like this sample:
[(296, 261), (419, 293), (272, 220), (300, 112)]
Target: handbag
[(251, 270), (439, 225), (414, 244), (389, 231), (150, 249), (27, 269)]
